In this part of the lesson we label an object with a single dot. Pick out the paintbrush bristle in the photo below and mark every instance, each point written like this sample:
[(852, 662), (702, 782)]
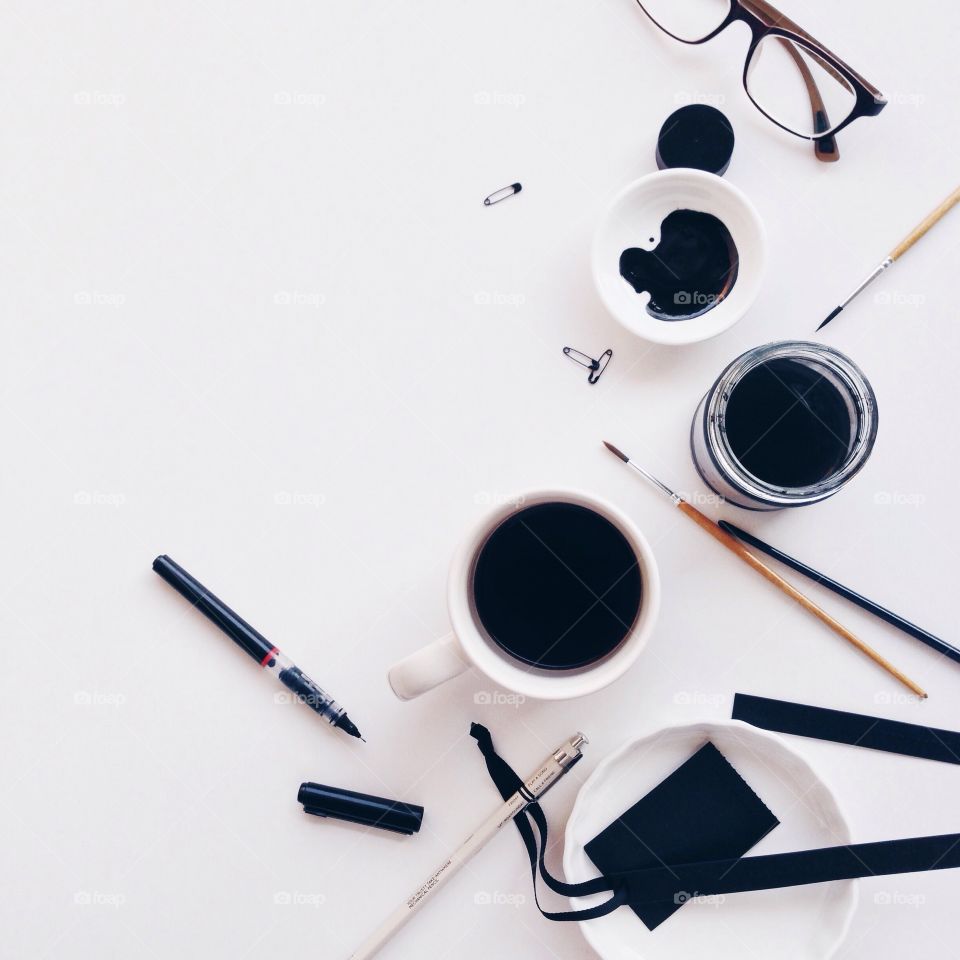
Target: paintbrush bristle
[(832, 315), (662, 487), (616, 452)]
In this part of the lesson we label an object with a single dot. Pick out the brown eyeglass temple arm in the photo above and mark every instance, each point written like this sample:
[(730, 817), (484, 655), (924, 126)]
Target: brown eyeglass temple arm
[(772, 17), (825, 148)]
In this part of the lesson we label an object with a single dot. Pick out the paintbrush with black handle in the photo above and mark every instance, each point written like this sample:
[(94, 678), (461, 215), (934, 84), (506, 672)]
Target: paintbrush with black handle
[(941, 646)]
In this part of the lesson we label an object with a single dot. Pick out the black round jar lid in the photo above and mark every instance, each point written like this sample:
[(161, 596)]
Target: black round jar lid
[(697, 136)]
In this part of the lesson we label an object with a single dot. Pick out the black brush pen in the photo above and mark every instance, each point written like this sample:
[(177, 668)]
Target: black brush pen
[(258, 646)]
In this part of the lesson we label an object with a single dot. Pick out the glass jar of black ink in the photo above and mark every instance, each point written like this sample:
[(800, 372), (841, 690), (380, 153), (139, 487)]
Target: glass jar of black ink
[(784, 425)]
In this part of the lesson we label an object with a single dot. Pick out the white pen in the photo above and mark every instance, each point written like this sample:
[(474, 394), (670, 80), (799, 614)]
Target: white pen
[(534, 787)]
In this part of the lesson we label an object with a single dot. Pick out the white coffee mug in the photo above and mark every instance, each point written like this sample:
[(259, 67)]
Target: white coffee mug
[(470, 646)]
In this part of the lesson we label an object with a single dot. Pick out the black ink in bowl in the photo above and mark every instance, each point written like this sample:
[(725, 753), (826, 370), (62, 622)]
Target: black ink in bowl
[(789, 424), (689, 272)]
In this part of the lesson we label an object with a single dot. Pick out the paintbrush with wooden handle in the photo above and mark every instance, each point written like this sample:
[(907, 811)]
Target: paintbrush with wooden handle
[(900, 249)]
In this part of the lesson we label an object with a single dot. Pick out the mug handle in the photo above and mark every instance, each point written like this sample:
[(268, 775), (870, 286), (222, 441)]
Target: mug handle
[(430, 666)]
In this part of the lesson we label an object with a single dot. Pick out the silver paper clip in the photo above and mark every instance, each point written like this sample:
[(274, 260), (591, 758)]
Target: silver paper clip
[(596, 367), (502, 194)]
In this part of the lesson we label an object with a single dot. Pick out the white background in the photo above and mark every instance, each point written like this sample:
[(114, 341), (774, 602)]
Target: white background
[(256, 317)]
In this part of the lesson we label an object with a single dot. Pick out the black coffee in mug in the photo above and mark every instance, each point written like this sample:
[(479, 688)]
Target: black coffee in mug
[(557, 586)]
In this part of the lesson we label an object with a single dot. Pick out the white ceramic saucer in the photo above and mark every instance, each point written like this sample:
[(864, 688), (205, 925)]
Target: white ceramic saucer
[(796, 923)]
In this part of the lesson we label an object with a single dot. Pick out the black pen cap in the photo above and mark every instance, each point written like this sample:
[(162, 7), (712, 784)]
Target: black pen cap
[(324, 801)]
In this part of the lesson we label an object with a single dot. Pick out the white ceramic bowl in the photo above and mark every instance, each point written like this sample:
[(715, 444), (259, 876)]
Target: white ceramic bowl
[(635, 215), (795, 923)]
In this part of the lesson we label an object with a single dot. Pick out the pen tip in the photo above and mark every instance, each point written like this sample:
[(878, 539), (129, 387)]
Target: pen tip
[(348, 726), (829, 318), (616, 452)]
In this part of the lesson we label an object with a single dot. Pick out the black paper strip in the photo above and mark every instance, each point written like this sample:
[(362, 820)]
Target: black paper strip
[(860, 730), (681, 882)]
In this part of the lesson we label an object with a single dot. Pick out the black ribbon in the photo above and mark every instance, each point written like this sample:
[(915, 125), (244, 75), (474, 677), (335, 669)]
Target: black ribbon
[(718, 877), (507, 783)]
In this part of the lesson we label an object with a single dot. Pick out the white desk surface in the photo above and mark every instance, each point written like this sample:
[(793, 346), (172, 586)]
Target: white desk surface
[(257, 318)]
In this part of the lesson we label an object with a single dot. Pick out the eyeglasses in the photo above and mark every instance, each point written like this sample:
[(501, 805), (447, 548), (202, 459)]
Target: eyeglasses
[(790, 77)]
